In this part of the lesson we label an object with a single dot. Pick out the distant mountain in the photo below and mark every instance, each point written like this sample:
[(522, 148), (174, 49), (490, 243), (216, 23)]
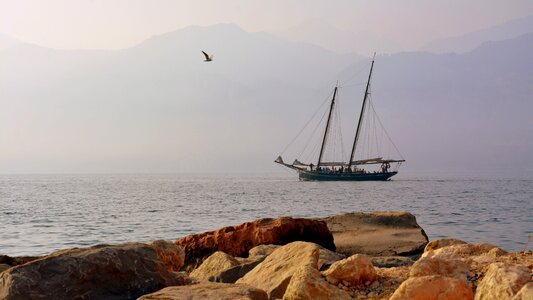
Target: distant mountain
[(157, 107), (7, 41), (460, 113), (246, 57), (321, 33), (468, 42)]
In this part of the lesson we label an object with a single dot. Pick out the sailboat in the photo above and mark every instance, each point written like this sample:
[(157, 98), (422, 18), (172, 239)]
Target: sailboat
[(350, 170)]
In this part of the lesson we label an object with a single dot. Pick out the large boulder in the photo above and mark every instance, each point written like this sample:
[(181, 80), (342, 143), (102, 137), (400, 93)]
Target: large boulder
[(502, 281), (308, 284), (433, 288), (438, 266), (214, 265), (124, 271), (275, 272), (355, 270), (377, 233), (208, 291), (238, 240), (258, 254)]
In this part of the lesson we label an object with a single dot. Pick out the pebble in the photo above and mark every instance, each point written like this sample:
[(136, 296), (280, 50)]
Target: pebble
[(374, 284), (332, 280), (344, 288), (346, 283)]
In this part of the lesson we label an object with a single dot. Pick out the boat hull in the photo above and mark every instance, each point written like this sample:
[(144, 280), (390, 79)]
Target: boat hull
[(314, 176)]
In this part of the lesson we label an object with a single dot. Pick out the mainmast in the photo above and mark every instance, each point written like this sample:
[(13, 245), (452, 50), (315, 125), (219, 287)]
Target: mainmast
[(327, 128), (361, 115)]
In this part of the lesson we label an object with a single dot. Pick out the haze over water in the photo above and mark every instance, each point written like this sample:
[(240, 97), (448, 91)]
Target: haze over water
[(43, 213)]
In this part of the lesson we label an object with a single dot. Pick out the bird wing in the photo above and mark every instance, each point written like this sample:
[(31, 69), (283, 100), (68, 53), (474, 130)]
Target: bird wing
[(206, 55)]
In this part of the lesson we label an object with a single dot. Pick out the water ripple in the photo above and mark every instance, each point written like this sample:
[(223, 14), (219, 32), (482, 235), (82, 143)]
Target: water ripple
[(43, 213)]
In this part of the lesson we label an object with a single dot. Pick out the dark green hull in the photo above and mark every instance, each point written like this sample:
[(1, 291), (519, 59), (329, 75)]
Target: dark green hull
[(314, 176)]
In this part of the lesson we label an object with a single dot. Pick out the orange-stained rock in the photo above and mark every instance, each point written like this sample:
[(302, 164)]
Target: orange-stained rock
[(275, 272), (525, 293), (377, 233), (238, 240), (438, 266), (355, 269), (502, 281), (124, 271), (308, 284), (433, 288), (437, 244), (215, 264), (170, 256), (208, 291)]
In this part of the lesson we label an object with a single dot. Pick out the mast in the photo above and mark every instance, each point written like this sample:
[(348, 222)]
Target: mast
[(327, 128), (357, 131)]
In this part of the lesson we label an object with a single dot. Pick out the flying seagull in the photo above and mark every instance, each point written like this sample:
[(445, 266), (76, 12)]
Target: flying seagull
[(208, 58)]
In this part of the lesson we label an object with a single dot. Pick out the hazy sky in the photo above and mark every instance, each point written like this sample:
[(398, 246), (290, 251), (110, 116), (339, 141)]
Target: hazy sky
[(111, 24), (159, 108)]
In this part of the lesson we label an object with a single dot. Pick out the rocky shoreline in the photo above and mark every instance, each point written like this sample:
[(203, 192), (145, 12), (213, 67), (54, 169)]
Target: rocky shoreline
[(380, 255)]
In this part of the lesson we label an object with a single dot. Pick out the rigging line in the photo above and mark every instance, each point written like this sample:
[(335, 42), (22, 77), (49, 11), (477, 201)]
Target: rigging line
[(313, 133), (336, 129), (380, 141), (334, 132), (378, 149), (340, 131), (339, 134), (331, 136), (316, 150), (386, 133), (309, 121), (368, 134), (357, 73), (350, 85), (313, 152), (370, 140)]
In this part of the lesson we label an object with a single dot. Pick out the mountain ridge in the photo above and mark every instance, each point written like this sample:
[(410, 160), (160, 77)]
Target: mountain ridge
[(158, 109), (467, 42)]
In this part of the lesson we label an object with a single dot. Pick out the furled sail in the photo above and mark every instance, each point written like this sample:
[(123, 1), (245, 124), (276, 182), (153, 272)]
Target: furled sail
[(378, 160), (299, 163)]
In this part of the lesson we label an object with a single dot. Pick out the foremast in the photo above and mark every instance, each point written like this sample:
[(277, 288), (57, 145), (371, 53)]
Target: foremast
[(327, 129), (358, 130)]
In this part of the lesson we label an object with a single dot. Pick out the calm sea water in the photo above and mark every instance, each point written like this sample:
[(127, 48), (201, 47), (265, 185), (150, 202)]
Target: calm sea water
[(43, 213)]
